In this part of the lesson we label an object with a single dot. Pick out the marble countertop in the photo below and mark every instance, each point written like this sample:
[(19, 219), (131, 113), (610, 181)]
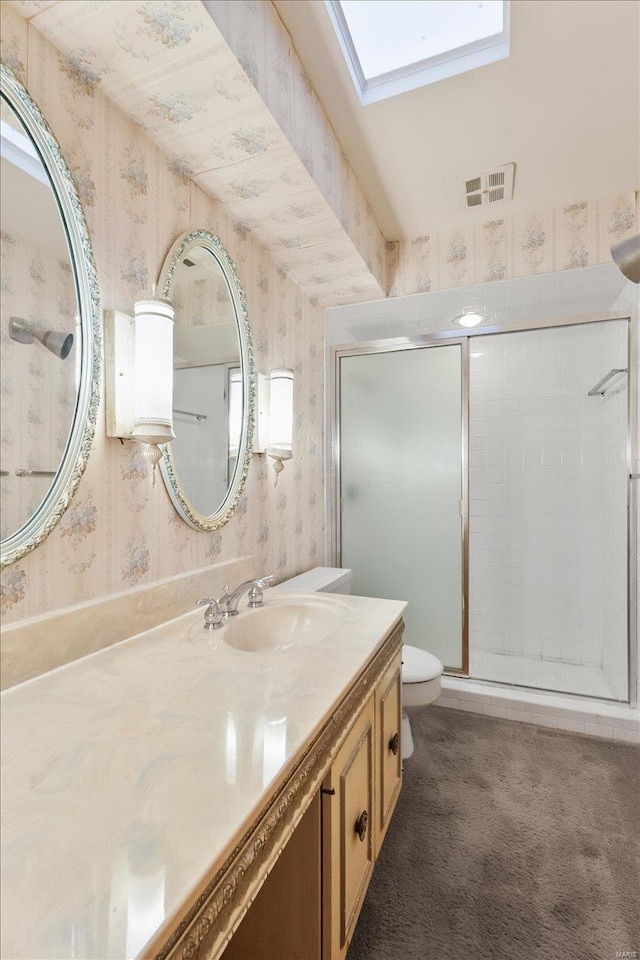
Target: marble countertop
[(127, 776)]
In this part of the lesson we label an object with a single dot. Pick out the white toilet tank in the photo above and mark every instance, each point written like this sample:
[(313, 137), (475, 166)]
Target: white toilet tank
[(320, 579)]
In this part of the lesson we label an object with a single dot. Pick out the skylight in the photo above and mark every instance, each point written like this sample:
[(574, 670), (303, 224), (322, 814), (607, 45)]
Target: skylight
[(392, 46)]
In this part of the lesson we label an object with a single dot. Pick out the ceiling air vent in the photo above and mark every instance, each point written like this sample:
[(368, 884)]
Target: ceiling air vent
[(490, 187)]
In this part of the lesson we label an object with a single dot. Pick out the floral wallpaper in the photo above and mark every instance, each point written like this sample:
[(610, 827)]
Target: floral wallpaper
[(577, 235), (38, 388), (121, 531), (239, 118), (200, 296), (261, 43)]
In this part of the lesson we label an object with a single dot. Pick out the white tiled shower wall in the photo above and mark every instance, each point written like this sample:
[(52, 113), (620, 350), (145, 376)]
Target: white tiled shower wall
[(201, 447), (547, 498)]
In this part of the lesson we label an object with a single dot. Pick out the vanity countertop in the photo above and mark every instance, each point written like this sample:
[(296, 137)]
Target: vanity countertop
[(128, 775)]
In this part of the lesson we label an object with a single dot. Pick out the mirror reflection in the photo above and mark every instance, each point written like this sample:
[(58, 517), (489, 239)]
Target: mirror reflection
[(39, 329), (208, 385)]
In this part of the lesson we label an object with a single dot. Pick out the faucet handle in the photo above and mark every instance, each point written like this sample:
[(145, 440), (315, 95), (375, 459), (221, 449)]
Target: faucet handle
[(257, 586), (212, 615), (265, 581)]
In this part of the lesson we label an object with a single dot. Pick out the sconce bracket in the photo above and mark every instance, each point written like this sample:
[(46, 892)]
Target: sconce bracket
[(119, 357)]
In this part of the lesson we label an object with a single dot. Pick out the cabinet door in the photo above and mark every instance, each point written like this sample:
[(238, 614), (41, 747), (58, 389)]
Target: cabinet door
[(388, 763), (348, 834), (284, 921)]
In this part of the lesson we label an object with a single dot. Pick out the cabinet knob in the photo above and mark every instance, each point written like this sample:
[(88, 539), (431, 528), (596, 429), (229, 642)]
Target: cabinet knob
[(394, 743), (361, 825)]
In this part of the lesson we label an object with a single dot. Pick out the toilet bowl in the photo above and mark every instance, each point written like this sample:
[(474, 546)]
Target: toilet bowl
[(421, 673)]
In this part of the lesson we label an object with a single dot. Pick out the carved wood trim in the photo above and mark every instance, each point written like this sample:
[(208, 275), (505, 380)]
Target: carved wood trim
[(210, 922)]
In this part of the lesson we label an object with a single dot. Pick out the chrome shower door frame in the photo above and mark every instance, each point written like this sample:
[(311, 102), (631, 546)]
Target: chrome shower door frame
[(463, 337), (396, 346)]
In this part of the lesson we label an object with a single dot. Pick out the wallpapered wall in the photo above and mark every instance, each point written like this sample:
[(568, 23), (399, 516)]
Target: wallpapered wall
[(120, 530), (201, 298), (265, 50), (565, 238)]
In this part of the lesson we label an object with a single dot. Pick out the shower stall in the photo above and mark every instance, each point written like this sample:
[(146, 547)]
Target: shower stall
[(486, 478)]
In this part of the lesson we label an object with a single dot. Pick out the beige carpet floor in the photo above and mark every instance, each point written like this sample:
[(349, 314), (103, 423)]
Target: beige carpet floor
[(509, 841)]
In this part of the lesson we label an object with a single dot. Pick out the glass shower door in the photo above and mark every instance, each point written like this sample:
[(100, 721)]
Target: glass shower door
[(401, 488)]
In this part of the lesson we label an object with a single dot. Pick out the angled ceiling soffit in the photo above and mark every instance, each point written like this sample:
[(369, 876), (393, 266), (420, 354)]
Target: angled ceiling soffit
[(169, 68), (263, 47)]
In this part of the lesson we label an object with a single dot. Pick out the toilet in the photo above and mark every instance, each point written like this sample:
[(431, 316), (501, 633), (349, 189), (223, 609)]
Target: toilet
[(421, 671)]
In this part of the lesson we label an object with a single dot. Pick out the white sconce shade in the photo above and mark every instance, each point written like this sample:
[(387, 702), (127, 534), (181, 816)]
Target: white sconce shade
[(235, 412), (153, 364), (280, 417)]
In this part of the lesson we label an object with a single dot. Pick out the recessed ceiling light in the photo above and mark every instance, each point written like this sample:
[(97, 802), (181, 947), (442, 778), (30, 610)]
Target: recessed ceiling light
[(471, 319)]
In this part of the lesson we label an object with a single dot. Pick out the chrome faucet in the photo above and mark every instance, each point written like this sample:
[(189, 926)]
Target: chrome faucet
[(228, 602)]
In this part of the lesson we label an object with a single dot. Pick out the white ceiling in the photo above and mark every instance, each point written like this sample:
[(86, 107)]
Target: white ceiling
[(565, 106)]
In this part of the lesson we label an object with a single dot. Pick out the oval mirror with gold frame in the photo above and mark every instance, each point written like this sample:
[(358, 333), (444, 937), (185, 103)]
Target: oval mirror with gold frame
[(205, 468), (49, 326)]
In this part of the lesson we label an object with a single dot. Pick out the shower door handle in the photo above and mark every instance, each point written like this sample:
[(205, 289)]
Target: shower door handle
[(600, 384)]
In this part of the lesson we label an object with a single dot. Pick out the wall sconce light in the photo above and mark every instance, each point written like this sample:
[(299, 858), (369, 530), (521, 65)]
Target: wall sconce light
[(274, 420), (280, 417), (139, 375)]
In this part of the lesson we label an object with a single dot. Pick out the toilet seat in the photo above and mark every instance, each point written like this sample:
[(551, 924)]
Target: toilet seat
[(421, 672), (418, 665)]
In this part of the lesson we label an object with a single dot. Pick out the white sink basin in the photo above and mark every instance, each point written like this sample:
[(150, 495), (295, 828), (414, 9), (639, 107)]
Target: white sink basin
[(284, 623)]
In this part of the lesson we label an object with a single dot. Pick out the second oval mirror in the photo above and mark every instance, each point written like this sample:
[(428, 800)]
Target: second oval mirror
[(206, 466)]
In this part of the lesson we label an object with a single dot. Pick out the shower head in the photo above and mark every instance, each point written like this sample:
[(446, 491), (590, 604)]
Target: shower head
[(626, 256), (56, 341)]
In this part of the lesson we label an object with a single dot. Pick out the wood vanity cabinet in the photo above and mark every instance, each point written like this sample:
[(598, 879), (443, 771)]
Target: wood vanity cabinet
[(284, 921), (359, 795), (340, 797), (348, 826)]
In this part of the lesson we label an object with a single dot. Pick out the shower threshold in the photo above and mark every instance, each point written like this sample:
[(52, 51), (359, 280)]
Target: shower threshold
[(562, 711)]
